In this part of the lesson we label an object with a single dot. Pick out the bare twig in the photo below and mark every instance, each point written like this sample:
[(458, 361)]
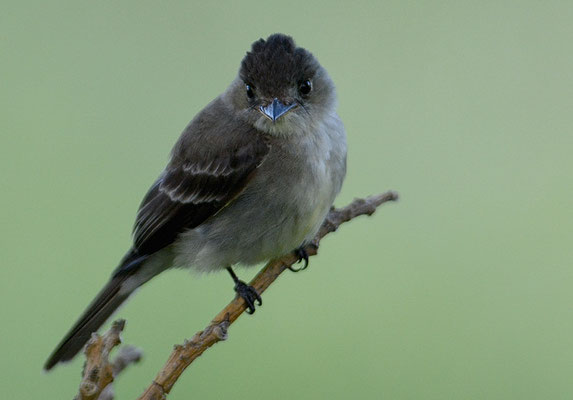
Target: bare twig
[(99, 372), (183, 355), (127, 355)]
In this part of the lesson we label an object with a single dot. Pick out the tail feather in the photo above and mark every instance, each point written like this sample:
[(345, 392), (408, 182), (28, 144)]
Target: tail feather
[(101, 308)]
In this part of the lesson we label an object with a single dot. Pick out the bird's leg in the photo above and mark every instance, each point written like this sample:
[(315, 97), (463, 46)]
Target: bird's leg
[(301, 254), (246, 292)]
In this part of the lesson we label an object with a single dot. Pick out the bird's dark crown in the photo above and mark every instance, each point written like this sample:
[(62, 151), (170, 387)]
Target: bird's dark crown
[(275, 64)]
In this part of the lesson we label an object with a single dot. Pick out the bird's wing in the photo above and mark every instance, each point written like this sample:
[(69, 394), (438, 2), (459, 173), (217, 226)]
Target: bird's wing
[(210, 166)]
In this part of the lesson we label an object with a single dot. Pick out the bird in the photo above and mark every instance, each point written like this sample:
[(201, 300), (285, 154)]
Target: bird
[(251, 178)]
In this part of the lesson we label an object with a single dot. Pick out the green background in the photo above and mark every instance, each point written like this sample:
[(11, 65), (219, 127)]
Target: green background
[(462, 290)]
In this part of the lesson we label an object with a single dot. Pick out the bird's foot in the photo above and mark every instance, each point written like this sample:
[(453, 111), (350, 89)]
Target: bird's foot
[(249, 294), (301, 254)]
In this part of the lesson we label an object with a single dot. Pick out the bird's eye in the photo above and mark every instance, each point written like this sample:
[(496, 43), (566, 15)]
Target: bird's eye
[(250, 92), (305, 87)]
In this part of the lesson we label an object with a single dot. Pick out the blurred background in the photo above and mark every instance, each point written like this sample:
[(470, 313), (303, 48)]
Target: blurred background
[(463, 289)]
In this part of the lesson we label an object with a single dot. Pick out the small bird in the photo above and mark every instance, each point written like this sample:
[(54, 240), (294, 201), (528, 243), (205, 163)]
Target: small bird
[(250, 179)]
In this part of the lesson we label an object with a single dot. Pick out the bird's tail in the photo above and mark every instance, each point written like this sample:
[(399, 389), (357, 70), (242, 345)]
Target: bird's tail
[(114, 293)]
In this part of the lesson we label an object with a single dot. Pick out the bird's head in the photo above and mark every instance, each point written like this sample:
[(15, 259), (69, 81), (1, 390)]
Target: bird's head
[(281, 88)]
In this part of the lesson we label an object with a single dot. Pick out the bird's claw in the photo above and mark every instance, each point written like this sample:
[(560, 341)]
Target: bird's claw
[(249, 294), (301, 254)]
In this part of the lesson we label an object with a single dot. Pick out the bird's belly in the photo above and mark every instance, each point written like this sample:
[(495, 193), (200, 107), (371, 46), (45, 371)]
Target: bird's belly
[(267, 221), (301, 219)]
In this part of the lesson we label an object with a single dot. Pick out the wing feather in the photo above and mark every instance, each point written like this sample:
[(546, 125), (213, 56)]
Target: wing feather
[(197, 184)]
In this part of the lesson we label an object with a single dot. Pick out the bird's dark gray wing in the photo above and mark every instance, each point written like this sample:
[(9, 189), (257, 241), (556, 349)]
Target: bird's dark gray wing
[(211, 164)]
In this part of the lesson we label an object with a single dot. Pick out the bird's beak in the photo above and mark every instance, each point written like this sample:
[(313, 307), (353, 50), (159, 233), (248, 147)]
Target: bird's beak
[(276, 109)]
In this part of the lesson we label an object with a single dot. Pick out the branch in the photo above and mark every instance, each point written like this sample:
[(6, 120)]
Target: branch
[(98, 371), (183, 355)]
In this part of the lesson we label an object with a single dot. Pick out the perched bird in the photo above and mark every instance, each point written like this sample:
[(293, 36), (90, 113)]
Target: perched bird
[(250, 179)]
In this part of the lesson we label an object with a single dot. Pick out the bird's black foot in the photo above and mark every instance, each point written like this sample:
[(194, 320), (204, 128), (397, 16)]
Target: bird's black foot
[(301, 254), (246, 292), (249, 294)]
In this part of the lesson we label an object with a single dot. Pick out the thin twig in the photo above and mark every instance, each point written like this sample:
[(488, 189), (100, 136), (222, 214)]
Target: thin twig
[(99, 372), (127, 355), (183, 355)]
